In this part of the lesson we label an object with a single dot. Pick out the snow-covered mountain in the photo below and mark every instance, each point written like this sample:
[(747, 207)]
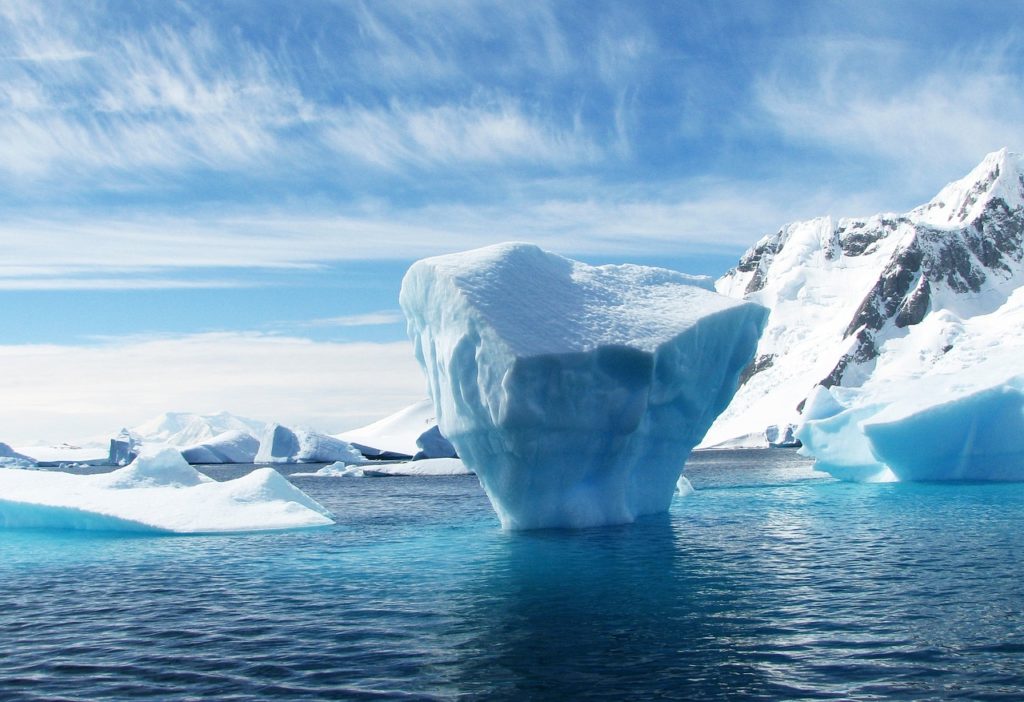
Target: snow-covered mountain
[(189, 429), (851, 299)]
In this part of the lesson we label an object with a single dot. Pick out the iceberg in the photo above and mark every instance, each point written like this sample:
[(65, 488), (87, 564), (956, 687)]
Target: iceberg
[(9, 458), (933, 433), (395, 436), (574, 392), (158, 492), (123, 449), (432, 444), (958, 416), (425, 467), (232, 446), (280, 444)]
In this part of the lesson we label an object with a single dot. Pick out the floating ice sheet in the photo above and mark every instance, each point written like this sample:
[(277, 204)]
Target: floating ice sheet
[(158, 492)]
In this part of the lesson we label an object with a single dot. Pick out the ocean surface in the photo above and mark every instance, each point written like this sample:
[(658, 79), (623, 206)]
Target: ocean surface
[(770, 582)]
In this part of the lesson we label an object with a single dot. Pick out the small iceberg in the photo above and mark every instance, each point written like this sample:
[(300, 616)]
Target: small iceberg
[(158, 492), (423, 467), (9, 458), (281, 444), (928, 429)]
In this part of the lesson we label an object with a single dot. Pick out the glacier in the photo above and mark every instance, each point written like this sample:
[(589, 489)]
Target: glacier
[(158, 492), (574, 392), (281, 444), (845, 294)]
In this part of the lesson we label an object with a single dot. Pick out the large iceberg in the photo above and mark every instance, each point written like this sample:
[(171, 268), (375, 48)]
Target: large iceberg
[(158, 492), (574, 392), (281, 444)]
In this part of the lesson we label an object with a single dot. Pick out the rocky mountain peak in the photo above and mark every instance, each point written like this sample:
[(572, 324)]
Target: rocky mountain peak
[(844, 293), (999, 176)]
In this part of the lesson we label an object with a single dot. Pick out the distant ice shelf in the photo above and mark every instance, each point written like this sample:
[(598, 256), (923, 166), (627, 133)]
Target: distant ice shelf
[(574, 392), (374, 469), (158, 492)]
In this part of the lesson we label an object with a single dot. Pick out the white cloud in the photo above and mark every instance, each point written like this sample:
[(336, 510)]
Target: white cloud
[(491, 132), (674, 219), (159, 283), (65, 392), (157, 100), (861, 99), (357, 320)]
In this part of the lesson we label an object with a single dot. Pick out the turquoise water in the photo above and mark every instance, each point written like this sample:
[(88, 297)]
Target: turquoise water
[(771, 582)]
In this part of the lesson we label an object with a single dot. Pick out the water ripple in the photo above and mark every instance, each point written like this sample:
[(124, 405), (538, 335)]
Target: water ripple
[(771, 582)]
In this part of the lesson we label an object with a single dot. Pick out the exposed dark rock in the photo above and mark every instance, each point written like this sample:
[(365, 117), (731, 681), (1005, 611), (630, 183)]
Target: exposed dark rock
[(756, 366), (915, 306)]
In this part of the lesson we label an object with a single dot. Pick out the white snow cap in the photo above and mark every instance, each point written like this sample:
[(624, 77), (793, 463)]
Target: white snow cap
[(999, 175)]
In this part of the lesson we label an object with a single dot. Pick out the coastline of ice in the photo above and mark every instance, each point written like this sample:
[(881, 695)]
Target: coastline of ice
[(158, 492)]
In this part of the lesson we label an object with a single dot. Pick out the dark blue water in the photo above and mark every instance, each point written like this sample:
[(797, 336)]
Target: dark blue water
[(770, 583)]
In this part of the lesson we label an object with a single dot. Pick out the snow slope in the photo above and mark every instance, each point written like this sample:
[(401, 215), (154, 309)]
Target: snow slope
[(408, 432), (574, 392), (397, 432), (846, 294), (158, 492)]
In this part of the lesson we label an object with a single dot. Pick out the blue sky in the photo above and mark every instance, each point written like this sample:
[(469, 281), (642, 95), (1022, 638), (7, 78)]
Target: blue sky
[(237, 173)]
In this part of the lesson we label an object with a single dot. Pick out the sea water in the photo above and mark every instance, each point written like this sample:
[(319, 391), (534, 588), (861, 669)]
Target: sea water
[(770, 582)]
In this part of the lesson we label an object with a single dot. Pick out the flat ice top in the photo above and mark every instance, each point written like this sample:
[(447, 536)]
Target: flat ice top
[(158, 492), (541, 303)]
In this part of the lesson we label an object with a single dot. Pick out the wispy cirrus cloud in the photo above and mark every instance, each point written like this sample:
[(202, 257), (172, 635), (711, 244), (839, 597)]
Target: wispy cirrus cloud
[(862, 98), (481, 132), (367, 319), (93, 105), (674, 219)]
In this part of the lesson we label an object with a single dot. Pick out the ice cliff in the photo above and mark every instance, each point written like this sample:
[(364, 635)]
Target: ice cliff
[(281, 444), (852, 299), (574, 392)]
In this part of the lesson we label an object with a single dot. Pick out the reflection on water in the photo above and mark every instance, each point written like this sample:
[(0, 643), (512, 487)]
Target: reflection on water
[(771, 582)]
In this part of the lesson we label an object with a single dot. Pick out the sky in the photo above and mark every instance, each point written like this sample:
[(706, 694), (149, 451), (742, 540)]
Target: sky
[(209, 206)]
